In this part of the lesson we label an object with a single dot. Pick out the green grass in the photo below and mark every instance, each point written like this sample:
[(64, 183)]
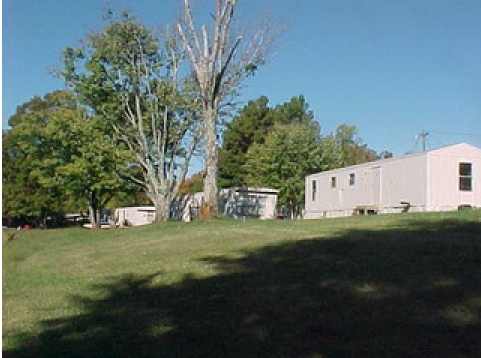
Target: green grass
[(380, 286)]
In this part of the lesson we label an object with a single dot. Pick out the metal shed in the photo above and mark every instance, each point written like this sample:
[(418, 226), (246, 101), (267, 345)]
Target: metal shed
[(242, 202), (248, 202)]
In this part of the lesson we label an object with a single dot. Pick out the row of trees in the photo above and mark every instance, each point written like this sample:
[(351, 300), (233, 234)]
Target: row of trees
[(58, 158), (150, 98), (53, 160), (138, 106)]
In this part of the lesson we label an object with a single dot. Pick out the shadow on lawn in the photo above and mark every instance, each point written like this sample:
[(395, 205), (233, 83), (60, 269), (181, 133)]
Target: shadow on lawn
[(409, 292)]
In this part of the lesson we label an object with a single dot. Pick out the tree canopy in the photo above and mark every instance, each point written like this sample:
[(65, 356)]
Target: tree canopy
[(289, 154), (252, 126), (59, 154), (140, 103), (131, 79), (352, 148)]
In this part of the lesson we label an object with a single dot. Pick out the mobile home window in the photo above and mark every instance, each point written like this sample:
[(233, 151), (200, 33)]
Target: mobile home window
[(352, 179), (333, 182), (314, 190), (465, 176)]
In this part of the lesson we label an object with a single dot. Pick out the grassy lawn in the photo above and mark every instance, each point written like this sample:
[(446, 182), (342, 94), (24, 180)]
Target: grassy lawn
[(380, 286)]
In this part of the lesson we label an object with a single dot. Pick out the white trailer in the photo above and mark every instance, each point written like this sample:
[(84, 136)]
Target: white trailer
[(435, 180), (134, 216)]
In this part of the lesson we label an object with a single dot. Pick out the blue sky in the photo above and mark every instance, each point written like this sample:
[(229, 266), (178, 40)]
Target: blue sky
[(390, 67)]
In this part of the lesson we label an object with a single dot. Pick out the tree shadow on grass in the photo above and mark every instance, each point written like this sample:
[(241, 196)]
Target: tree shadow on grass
[(414, 291)]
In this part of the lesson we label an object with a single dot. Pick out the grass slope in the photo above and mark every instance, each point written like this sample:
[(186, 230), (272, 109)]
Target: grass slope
[(381, 286)]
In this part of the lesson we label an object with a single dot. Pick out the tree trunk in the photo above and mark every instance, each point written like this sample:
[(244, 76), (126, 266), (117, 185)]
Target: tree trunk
[(94, 216), (162, 209), (211, 161)]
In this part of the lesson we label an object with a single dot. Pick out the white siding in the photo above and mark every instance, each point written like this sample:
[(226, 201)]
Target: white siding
[(239, 202), (444, 193), (384, 184), (135, 216), (428, 181), (248, 202), (405, 180)]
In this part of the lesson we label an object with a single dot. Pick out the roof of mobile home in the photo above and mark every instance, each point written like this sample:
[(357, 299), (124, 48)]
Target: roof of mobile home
[(459, 146)]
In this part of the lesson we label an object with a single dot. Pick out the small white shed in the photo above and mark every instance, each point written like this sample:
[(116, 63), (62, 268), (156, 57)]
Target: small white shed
[(248, 202), (242, 202), (435, 180)]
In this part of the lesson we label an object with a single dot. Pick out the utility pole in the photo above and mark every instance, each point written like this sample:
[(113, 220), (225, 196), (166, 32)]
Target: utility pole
[(423, 135)]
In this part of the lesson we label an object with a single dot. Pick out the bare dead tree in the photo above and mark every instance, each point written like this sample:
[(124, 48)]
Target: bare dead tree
[(221, 58)]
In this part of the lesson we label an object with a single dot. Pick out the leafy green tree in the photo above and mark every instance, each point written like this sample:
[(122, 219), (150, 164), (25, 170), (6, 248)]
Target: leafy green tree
[(24, 198), (289, 154), (353, 149), (127, 78), (64, 154), (296, 110), (251, 126)]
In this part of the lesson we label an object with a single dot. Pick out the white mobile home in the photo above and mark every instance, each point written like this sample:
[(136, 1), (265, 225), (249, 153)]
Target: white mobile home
[(436, 180), (134, 216)]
